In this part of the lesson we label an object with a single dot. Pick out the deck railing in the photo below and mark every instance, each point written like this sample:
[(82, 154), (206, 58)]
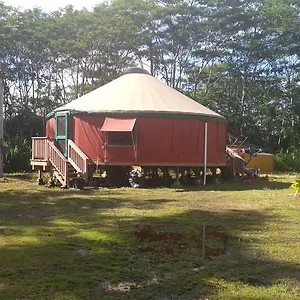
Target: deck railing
[(39, 148), (77, 158)]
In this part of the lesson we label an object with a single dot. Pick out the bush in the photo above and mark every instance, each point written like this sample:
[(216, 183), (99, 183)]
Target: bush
[(296, 186), (288, 160), (18, 157)]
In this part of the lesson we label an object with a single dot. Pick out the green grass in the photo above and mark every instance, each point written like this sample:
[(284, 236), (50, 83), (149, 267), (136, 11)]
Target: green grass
[(68, 244)]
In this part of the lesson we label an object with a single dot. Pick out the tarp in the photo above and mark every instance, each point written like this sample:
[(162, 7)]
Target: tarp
[(139, 94), (232, 153), (113, 124), (262, 161)]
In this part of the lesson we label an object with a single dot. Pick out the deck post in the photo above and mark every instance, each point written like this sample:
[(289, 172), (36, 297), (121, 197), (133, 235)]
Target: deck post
[(177, 182), (205, 154), (40, 179), (203, 240)]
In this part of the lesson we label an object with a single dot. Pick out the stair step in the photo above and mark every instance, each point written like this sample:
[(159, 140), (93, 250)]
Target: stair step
[(59, 177)]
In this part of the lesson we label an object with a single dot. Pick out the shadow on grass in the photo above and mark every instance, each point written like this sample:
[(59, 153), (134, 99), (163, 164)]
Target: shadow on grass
[(63, 245), (43, 206), (240, 185), (21, 176)]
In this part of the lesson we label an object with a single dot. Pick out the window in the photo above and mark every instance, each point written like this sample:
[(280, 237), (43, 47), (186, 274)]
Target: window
[(119, 132), (120, 138), (61, 125)]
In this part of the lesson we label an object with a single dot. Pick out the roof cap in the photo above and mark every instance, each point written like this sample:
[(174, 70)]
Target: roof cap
[(136, 70)]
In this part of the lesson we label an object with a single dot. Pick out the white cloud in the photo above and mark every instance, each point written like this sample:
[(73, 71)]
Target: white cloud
[(51, 5)]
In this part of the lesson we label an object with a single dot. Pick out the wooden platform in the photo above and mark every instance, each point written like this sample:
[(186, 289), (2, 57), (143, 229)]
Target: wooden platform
[(37, 164)]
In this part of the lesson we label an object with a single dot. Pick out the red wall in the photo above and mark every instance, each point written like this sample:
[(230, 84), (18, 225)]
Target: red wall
[(159, 141), (87, 136), (50, 129)]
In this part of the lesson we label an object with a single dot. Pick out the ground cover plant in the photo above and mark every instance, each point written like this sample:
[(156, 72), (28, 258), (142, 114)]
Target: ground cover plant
[(124, 243)]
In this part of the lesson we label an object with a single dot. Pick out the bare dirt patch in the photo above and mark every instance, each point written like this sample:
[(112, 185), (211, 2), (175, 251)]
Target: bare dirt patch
[(212, 239)]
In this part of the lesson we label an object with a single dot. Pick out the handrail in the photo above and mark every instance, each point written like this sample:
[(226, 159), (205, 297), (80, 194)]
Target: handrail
[(58, 160), (78, 159), (78, 150), (52, 145)]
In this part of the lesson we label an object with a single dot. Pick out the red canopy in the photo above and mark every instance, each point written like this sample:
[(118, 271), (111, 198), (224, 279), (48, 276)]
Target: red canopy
[(112, 124)]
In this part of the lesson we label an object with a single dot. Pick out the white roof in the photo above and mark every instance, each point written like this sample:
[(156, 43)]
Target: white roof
[(138, 93)]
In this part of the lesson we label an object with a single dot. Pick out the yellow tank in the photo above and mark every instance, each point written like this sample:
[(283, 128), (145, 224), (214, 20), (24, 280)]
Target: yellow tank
[(262, 161)]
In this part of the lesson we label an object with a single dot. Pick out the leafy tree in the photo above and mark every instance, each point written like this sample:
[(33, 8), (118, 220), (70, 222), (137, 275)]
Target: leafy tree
[(240, 58)]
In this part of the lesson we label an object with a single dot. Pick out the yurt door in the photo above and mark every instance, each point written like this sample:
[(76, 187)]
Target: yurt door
[(61, 132)]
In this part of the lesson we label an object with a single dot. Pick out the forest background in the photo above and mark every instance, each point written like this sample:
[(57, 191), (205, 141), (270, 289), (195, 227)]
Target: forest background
[(240, 58)]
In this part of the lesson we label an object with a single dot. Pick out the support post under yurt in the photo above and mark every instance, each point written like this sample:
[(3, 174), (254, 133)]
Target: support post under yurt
[(205, 154)]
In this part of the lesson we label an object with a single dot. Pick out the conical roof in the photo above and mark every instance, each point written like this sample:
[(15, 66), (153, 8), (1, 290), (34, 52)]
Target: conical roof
[(139, 93)]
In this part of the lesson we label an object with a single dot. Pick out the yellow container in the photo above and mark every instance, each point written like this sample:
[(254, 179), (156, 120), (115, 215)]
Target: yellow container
[(262, 161)]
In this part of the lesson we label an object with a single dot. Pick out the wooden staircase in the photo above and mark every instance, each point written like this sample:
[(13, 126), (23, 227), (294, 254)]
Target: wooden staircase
[(47, 157), (78, 160), (70, 174)]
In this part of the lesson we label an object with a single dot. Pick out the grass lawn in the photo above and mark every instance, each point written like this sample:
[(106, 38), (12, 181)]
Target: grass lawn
[(129, 243)]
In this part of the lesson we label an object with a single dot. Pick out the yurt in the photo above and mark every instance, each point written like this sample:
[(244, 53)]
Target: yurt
[(135, 120)]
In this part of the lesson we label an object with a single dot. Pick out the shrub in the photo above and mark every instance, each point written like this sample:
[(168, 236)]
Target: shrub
[(296, 186), (18, 157), (288, 160)]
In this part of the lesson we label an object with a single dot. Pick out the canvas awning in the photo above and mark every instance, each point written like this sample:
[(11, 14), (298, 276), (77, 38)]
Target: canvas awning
[(112, 124)]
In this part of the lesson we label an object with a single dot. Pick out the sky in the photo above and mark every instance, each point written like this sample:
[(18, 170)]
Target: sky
[(50, 5)]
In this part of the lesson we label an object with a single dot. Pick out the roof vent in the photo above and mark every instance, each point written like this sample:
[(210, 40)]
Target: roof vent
[(135, 70)]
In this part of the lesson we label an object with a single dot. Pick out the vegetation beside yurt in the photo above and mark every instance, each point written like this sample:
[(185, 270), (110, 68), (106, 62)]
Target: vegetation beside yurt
[(246, 70)]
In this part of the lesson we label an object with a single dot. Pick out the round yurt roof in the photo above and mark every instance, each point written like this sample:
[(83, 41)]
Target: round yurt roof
[(136, 92)]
